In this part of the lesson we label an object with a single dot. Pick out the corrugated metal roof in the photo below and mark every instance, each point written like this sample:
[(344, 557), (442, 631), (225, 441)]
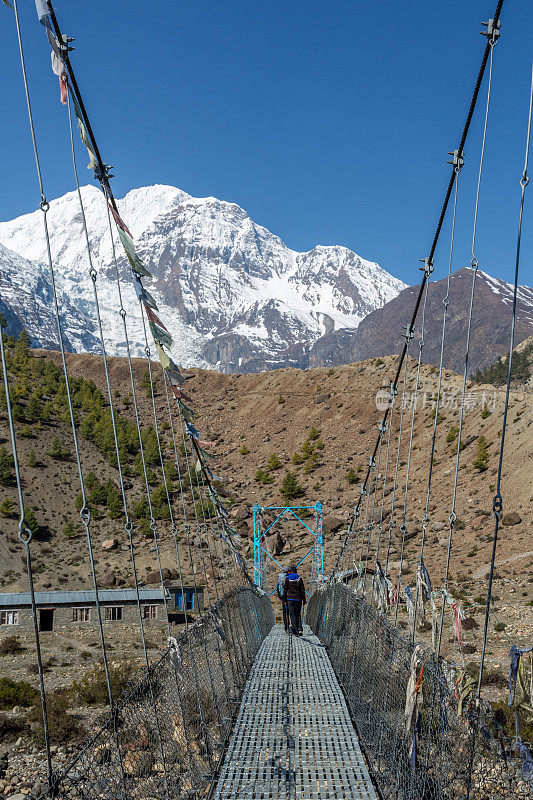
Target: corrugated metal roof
[(10, 599)]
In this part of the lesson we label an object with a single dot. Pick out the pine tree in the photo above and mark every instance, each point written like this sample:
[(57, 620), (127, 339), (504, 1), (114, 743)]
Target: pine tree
[(7, 508), (115, 507), (7, 468), (290, 488), (57, 452), (33, 409), (274, 462), (481, 462), (31, 522), (352, 476)]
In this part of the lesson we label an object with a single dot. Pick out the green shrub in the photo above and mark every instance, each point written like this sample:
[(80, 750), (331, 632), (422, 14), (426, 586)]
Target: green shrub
[(452, 434), (313, 433), (69, 529), (26, 432), (244, 450), (11, 727), (281, 399), (63, 727), (16, 693), (10, 645), (91, 690), (298, 458), (485, 412)]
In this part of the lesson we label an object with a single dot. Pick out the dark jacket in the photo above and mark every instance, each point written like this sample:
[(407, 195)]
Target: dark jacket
[(294, 587)]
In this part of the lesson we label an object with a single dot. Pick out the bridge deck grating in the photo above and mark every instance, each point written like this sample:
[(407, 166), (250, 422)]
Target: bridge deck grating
[(293, 738)]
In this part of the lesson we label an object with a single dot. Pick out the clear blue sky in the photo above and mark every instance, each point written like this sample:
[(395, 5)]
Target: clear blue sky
[(329, 122)]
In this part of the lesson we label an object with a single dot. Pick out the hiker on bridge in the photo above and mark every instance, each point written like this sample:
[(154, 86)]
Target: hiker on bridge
[(280, 591), (294, 596)]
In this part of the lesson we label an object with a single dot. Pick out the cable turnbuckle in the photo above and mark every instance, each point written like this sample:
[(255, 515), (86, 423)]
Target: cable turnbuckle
[(493, 30), (427, 269), (458, 160), (382, 427)]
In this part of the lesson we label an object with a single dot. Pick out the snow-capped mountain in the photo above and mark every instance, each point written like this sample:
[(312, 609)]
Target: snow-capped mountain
[(26, 301), (232, 294)]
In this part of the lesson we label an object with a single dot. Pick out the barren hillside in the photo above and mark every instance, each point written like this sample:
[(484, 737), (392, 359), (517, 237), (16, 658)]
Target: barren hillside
[(256, 416)]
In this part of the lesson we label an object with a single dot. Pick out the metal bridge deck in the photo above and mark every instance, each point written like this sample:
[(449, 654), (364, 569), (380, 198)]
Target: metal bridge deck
[(293, 739)]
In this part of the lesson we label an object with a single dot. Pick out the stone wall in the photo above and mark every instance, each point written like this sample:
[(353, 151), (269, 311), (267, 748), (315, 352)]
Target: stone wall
[(63, 619)]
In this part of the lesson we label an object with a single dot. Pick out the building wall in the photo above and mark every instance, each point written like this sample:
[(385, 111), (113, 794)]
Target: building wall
[(63, 619)]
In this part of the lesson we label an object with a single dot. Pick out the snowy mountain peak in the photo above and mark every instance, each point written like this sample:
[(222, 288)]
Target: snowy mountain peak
[(232, 293)]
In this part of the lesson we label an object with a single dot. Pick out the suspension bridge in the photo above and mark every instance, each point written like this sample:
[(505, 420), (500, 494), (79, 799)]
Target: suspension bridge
[(234, 707)]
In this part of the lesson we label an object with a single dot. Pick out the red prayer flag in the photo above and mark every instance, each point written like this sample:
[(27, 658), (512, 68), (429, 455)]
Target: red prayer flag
[(118, 219), (153, 317)]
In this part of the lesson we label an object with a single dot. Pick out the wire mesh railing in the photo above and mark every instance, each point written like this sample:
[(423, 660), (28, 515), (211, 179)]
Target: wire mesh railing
[(166, 737), (423, 737)]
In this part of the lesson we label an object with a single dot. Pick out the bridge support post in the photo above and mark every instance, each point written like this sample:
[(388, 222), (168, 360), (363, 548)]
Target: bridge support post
[(257, 544)]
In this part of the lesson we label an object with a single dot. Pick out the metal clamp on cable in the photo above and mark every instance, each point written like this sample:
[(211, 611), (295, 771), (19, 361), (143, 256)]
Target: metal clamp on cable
[(409, 333), (458, 160), (64, 42), (493, 31), (427, 269)]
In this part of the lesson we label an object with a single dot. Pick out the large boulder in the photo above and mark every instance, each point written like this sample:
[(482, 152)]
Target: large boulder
[(108, 580), (277, 544), (331, 525), (479, 521), (240, 512), (109, 544), (511, 519), (155, 577)]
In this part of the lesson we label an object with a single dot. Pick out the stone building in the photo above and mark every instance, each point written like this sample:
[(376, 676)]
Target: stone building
[(68, 610)]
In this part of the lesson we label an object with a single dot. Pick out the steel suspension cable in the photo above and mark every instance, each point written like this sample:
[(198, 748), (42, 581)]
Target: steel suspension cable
[(492, 35), (445, 302), (380, 524), (371, 526), (497, 505), (497, 501), (84, 511), (25, 536), (474, 265), (414, 400), (128, 523), (396, 467)]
